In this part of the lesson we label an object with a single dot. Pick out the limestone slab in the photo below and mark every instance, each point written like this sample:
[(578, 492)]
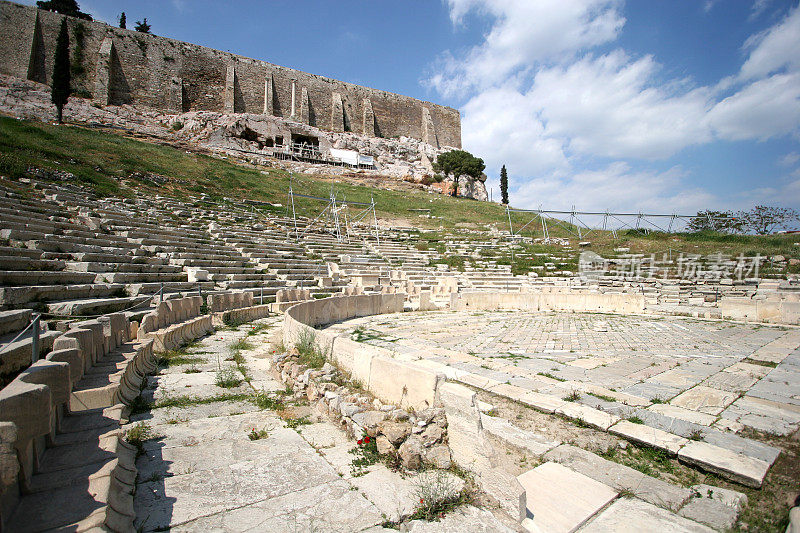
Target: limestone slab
[(649, 436), (323, 435), (695, 417), (619, 477), (590, 415), (561, 500), (526, 440), (542, 402), (734, 466), (329, 506), (628, 515), (704, 399)]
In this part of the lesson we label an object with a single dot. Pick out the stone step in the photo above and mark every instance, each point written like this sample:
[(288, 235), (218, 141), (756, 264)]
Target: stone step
[(82, 266), (9, 251), (135, 289), (25, 263), (143, 277), (17, 355), (20, 296), (560, 500), (16, 320), (97, 306), (16, 278)]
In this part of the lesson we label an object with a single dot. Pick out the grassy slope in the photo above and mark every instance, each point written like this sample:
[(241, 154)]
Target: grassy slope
[(101, 158)]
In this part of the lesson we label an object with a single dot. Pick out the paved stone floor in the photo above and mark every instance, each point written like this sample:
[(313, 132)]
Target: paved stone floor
[(200, 471), (708, 373)]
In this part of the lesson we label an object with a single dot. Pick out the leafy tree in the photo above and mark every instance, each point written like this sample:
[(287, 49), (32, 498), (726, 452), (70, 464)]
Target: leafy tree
[(459, 163), (722, 221), (123, 20), (65, 7), (504, 184), (764, 219), (60, 89), (142, 26)]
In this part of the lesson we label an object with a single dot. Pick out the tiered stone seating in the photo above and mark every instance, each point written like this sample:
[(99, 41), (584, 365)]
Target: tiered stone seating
[(175, 322), (72, 471)]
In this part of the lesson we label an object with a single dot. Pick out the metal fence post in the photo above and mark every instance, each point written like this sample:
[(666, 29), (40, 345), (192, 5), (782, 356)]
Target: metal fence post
[(35, 339)]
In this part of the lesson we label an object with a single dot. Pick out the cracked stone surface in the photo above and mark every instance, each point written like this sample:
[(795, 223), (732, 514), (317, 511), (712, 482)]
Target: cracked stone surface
[(200, 471)]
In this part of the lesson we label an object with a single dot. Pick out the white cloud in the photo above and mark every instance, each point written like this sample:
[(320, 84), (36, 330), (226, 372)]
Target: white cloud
[(609, 106), (525, 33), (763, 109), (502, 125), (789, 159), (615, 187), (759, 6), (774, 49), (540, 101)]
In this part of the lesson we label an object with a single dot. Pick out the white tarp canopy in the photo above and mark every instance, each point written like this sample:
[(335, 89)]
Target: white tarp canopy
[(345, 156), (366, 160)]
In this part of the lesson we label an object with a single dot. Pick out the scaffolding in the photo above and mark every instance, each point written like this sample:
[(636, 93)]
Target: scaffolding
[(336, 216), (582, 223)]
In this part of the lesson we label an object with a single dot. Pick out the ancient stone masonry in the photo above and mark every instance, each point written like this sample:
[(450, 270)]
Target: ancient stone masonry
[(126, 67)]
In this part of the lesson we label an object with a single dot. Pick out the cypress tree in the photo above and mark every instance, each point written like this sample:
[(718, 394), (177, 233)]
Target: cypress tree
[(123, 20), (61, 72), (504, 184)]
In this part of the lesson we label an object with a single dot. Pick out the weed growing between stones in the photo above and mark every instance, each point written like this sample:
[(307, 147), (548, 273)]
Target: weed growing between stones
[(255, 330), (138, 434), (294, 423), (241, 344), (438, 495), (574, 396), (186, 401), (263, 401), (366, 455), (551, 376), (602, 397), (257, 434), (228, 378), (306, 346), (635, 420)]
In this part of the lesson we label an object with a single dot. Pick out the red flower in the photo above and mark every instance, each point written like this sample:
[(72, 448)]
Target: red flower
[(421, 500), (366, 440), (359, 442)]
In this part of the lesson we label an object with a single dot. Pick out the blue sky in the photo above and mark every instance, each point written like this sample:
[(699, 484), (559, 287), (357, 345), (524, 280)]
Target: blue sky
[(662, 106)]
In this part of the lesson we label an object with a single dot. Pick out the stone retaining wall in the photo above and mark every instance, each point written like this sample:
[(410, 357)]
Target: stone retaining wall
[(772, 311), (393, 381), (579, 302)]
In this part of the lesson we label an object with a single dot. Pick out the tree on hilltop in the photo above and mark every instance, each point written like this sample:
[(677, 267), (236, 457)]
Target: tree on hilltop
[(721, 221), (504, 185), (764, 219), (123, 20), (65, 7), (459, 163), (142, 26), (60, 90)]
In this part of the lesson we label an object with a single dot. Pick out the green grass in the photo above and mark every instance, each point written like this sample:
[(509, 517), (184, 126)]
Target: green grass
[(228, 378), (187, 401), (310, 353), (241, 344), (106, 160)]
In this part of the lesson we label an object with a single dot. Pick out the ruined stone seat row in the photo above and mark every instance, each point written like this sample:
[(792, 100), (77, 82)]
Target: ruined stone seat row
[(175, 322), (72, 469)]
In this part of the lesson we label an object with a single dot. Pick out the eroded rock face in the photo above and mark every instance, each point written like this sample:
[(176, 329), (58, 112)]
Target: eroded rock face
[(242, 135), (411, 452)]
